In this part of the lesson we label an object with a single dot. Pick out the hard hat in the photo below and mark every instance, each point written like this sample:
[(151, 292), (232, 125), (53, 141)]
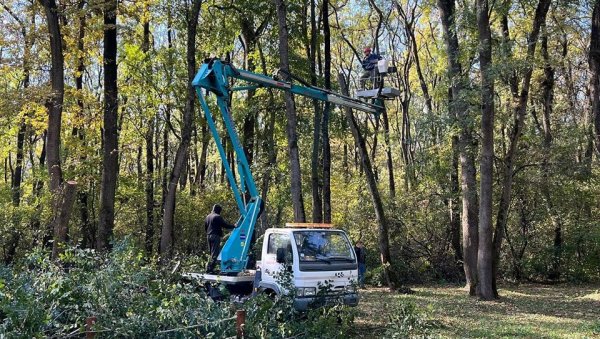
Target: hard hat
[(367, 49)]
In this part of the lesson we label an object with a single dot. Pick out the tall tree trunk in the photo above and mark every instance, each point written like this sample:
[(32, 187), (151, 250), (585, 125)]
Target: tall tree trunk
[(484, 254), (167, 235), (290, 108), (388, 154), (88, 231), (58, 225), (519, 118), (56, 100), (594, 62), (149, 139), (110, 156), (268, 144), (546, 187), (165, 135), (249, 44), (458, 109), (453, 202), (384, 242), (326, 114), (315, 179), (204, 149)]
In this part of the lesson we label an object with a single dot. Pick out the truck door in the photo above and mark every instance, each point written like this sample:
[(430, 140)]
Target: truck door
[(270, 267)]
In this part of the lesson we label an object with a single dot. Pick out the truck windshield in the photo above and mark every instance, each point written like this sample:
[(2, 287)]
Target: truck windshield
[(323, 246)]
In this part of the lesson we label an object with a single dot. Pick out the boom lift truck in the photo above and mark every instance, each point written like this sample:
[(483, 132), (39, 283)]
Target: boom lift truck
[(315, 253)]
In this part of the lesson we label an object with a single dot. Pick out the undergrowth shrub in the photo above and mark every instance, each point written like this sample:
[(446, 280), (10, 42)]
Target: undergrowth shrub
[(130, 297), (407, 320)]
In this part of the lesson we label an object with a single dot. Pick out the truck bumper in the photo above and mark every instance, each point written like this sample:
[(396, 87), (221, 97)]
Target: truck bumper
[(305, 303)]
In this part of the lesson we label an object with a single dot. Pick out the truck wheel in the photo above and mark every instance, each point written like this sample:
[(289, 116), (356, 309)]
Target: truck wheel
[(269, 293)]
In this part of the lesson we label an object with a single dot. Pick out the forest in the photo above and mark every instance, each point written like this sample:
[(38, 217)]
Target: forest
[(483, 171)]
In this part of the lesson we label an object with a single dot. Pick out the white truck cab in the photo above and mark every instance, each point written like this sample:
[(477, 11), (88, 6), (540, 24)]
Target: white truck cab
[(320, 260), (317, 258)]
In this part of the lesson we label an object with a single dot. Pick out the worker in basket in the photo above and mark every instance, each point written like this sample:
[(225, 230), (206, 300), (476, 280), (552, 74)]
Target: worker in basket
[(369, 65)]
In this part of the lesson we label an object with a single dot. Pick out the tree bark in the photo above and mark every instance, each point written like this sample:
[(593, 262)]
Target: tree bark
[(55, 105), (64, 215), (269, 145), (290, 108), (88, 231), (388, 154), (167, 235), (326, 115), (484, 254), (149, 139), (316, 183), (110, 156), (594, 63), (458, 109), (453, 203), (317, 201)]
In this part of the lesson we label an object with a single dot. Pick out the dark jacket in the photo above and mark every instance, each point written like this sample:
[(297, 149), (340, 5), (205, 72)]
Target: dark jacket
[(361, 255), (369, 62), (215, 223)]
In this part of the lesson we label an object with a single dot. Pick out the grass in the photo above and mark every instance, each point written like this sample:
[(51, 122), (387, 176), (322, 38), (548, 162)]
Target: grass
[(523, 311)]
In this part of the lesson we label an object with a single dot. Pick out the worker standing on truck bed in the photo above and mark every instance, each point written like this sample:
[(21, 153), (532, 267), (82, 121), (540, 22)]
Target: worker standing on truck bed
[(214, 225)]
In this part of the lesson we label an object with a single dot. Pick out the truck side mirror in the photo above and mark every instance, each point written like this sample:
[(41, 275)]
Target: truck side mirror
[(280, 255)]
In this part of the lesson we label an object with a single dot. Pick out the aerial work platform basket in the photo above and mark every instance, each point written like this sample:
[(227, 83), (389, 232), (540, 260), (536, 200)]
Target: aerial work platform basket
[(378, 90)]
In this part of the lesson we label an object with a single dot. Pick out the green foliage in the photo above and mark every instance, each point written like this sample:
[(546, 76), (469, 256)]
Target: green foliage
[(271, 316), (133, 298), (407, 320), (128, 297)]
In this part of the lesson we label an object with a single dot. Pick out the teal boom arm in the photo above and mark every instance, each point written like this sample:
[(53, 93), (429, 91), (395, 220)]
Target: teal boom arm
[(213, 76)]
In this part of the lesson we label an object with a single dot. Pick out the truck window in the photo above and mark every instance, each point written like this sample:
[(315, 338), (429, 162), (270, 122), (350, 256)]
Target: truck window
[(278, 241), (320, 250), (315, 245)]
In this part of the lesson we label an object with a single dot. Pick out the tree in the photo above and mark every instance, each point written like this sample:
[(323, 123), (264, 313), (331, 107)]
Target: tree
[(149, 138), (484, 254), (326, 115), (315, 179), (110, 155), (459, 112), (87, 227), (290, 109), (167, 234), (62, 195), (594, 62)]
